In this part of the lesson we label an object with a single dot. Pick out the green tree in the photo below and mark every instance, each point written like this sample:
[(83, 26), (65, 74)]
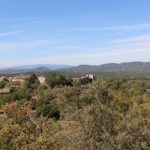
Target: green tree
[(49, 110), (55, 80), (2, 84), (32, 82)]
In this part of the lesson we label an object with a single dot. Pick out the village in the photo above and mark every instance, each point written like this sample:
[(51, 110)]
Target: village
[(19, 80), (16, 81)]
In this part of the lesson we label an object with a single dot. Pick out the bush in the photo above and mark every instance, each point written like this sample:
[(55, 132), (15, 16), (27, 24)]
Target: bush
[(20, 95), (54, 80), (49, 110), (85, 81), (32, 82), (2, 85)]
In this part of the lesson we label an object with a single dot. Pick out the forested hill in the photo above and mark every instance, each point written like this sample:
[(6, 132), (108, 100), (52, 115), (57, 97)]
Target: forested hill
[(33, 68), (113, 67)]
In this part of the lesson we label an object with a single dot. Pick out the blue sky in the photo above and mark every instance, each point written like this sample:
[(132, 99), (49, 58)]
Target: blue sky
[(74, 31)]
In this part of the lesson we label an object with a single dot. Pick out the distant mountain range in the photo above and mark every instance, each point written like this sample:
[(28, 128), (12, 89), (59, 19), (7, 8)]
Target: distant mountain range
[(49, 66), (111, 67), (33, 68)]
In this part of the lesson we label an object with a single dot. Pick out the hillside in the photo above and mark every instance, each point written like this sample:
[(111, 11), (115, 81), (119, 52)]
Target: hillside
[(32, 68), (113, 67), (66, 115)]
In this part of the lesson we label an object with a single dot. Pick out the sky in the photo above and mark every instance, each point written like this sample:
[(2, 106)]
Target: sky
[(74, 32)]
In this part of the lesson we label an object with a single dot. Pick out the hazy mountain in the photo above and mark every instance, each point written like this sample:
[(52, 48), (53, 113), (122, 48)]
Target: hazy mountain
[(113, 67), (49, 66), (33, 68)]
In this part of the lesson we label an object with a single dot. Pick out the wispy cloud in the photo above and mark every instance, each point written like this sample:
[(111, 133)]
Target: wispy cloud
[(114, 28), (90, 58), (132, 39), (44, 44), (9, 33), (68, 47), (9, 46), (94, 57), (132, 46)]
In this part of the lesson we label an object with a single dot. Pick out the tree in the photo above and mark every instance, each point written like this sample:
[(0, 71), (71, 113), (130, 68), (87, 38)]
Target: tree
[(99, 125), (32, 82), (17, 131), (85, 81), (55, 80), (2, 84), (52, 80)]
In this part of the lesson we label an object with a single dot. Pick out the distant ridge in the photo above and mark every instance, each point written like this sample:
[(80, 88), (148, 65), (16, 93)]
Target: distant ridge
[(49, 66), (32, 68), (111, 67)]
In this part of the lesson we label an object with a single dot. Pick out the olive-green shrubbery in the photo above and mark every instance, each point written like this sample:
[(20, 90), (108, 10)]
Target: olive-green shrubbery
[(106, 114)]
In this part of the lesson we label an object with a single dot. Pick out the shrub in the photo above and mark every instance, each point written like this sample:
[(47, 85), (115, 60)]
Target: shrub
[(2, 85), (49, 110), (54, 80)]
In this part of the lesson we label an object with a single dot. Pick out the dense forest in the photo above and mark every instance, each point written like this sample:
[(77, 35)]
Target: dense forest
[(112, 112)]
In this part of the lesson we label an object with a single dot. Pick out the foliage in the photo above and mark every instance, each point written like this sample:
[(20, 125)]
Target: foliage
[(54, 80), (32, 82), (85, 81), (106, 114), (2, 84), (49, 110)]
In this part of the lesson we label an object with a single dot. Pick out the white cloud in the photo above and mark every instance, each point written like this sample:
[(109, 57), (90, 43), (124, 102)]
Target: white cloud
[(9, 46), (9, 33), (133, 39), (134, 48), (72, 59), (93, 58), (114, 28), (68, 47), (38, 45)]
